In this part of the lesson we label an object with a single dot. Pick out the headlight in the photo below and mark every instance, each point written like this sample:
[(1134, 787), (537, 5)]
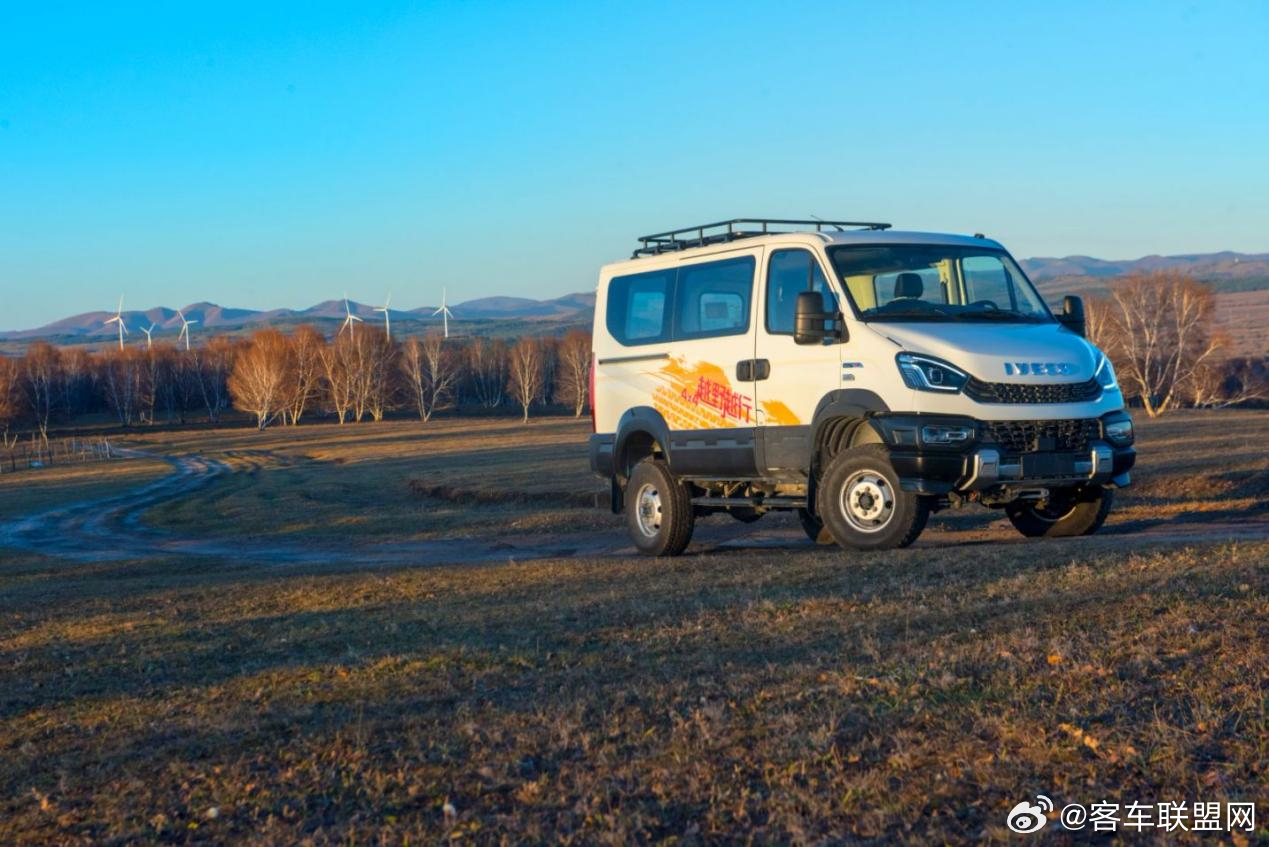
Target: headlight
[(928, 374), (1106, 373)]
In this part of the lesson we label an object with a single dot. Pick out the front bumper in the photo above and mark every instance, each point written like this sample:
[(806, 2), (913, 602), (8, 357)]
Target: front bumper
[(983, 463)]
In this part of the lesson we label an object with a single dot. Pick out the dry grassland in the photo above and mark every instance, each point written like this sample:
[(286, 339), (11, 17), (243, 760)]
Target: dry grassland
[(790, 694)]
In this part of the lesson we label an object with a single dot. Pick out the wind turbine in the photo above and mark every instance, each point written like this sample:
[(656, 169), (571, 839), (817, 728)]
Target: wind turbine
[(387, 319), (349, 319), (444, 311), (184, 329), (118, 319), (149, 342)]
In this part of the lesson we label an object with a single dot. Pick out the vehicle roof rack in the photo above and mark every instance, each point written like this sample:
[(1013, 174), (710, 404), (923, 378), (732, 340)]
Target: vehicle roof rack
[(736, 228)]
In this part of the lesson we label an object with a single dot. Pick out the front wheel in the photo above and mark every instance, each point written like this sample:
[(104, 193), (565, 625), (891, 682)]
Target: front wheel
[(659, 514), (814, 527), (862, 505), (1067, 512)]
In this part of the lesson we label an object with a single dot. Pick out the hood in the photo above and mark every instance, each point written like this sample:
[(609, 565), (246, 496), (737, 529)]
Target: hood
[(999, 352)]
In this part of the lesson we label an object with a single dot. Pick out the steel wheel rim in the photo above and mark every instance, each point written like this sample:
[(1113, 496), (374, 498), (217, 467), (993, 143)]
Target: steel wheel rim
[(648, 510), (867, 501)]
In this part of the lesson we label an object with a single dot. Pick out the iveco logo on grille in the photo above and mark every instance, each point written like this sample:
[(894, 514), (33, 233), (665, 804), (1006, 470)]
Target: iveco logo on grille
[(1039, 368)]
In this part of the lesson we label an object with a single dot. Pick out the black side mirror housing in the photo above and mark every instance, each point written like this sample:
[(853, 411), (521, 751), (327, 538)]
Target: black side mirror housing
[(809, 317), (1072, 316)]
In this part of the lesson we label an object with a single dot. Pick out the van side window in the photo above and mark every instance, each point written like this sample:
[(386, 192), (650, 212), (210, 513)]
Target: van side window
[(637, 307), (790, 272), (713, 298)]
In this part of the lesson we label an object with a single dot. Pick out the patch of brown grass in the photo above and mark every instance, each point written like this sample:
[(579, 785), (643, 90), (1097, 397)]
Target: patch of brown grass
[(807, 695)]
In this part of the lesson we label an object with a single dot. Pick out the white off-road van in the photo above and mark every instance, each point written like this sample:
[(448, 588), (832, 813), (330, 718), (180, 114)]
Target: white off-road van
[(861, 376)]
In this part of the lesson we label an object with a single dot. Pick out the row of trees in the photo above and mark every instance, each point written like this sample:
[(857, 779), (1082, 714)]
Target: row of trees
[(1160, 332), (281, 378)]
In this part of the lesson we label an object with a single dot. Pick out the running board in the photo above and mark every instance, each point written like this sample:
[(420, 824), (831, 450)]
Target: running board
[(751, 502)]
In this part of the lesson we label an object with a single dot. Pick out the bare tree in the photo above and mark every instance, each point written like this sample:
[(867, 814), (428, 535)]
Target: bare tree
[(124, 374), (1162, 336), (215, 362), (1099, 322), (340, 371), (10, 393), (79, 383), (1230, 383), (42, 383), (429, 366), (263, 378), (377, 355), (487, 371), (306, 362), (526, 373), (572, 383)]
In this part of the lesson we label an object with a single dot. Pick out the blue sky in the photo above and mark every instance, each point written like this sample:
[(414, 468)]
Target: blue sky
[(265, 155)]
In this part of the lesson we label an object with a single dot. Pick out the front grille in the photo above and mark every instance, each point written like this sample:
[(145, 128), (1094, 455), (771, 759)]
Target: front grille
[(1013, 392), (1018, 437)]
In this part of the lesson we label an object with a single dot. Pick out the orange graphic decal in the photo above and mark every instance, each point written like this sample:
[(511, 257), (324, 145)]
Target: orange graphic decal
[(778, 414), (700, 396)]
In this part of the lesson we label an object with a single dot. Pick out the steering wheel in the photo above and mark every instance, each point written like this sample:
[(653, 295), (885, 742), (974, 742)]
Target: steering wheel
[(986, 304)]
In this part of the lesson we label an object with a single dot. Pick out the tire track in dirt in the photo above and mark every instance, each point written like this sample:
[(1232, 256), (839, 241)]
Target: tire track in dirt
[(111, 528)]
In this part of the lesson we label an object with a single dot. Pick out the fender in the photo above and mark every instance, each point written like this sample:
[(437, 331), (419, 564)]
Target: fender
[(640, 419), (845, 403)]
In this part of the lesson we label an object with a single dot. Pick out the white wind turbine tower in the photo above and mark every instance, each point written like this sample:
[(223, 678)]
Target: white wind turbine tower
[(349, 319), (444, 311), (149, 342), (184, 329), (118, 319), (387, 319)]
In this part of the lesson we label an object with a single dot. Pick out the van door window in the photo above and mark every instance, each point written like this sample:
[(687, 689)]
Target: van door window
[(790, 272), (713, 298), (637, 312)]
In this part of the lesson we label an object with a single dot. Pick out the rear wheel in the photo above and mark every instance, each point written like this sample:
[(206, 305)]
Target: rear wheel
[(862, 505), (1067, 512), (659, 514)]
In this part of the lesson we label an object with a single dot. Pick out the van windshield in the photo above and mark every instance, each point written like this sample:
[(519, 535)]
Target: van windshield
[(931, 282)]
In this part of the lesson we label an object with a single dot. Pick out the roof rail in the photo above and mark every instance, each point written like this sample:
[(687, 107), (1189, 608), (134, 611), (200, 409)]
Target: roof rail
[(723, 231)]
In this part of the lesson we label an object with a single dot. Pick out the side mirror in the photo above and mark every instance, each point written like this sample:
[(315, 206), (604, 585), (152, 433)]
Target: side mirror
[(1072, 316), (809, 317)]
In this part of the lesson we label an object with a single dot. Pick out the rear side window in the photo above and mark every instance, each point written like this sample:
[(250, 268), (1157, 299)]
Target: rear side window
[(704, 300), (637, 307), (713, 299)]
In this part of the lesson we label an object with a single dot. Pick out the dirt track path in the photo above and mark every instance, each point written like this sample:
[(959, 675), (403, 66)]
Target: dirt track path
[(110, 528)]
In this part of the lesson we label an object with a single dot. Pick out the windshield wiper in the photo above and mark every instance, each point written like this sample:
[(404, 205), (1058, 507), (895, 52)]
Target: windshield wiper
[(1000, 315), (928, 313)]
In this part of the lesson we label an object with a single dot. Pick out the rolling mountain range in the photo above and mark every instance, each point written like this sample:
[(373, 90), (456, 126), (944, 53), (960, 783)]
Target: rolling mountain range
[(1241, 281), (489, 314)]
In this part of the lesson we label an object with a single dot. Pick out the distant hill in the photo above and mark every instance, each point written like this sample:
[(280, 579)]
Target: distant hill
[(1226, 264), (1240, 280), (493, 316)]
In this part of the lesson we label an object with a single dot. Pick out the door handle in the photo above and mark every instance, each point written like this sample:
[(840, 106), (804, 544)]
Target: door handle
[(753, 370)]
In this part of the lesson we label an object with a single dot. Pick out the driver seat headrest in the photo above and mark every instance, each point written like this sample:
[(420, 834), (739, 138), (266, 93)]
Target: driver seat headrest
[(909, 285)]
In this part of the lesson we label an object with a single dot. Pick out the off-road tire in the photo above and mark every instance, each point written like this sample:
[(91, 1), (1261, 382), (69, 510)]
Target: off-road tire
[(814, 527), (873, 484), (745, 514), (667, 529), (1068, 513)]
